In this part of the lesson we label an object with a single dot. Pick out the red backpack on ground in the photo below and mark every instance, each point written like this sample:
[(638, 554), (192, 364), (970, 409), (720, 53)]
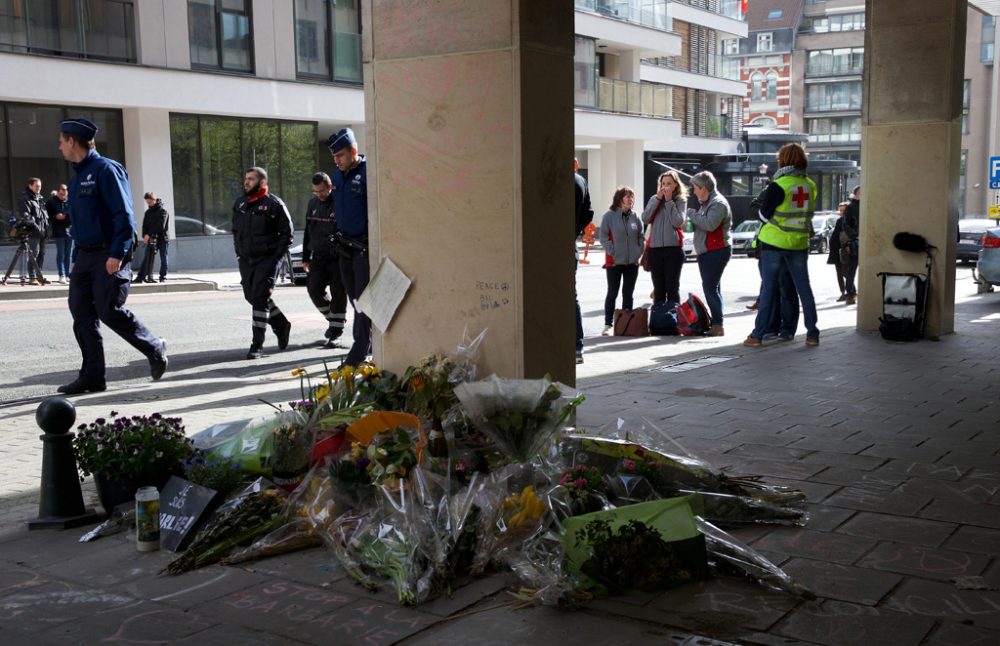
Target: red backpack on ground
[(693, 318)]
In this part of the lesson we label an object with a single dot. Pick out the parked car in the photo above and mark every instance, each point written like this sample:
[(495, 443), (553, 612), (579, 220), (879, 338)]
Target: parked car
[(185, 226), (743, 236), (688, 241), (988, 265), (823, 224), (291, 268), (970, 237)]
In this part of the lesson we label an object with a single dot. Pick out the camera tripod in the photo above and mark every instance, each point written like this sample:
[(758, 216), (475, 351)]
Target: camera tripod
[(25, 255)]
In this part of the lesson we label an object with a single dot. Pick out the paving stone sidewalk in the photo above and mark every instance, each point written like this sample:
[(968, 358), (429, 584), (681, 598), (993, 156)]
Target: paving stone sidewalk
[(896, 445)]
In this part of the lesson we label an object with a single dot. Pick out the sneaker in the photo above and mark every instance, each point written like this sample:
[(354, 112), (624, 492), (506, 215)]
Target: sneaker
[(61, 280), (80, 386), (768, 336), (812, 341), (283, 334), (163, 279), (716, 330), (753, 306), (330, 344), (148, 280), (158, 364), (843, 297), (607, 331), (751, 342), (785, 337), (850, 300), (579, 356), (32, 281), (254, 352)]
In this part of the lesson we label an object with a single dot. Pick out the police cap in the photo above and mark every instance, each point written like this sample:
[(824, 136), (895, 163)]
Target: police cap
[(343, 138), (85, 129)]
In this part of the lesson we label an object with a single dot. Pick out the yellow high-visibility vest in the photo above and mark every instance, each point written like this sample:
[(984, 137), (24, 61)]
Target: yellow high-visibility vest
[(789, 227)]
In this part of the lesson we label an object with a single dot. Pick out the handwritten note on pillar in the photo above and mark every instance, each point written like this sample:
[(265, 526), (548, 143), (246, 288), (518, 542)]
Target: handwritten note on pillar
[(183, 507)]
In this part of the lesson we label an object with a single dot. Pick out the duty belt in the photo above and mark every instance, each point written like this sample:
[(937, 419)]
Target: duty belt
[(93, 247)]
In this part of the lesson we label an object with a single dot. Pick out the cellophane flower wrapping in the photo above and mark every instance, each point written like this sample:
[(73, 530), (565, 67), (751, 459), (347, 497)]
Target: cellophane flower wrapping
[(251, 443), (520, 416), (511, 510), (644, 464)]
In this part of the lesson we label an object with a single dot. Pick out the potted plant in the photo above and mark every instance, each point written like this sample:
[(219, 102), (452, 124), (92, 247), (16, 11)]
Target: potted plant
[(125, 453)]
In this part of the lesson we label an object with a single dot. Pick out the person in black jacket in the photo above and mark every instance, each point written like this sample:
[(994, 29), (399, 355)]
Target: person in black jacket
[(32, 210), (262, 233), (852, 227), (584, 216), (57, 208), (154, 235), (320, 259)]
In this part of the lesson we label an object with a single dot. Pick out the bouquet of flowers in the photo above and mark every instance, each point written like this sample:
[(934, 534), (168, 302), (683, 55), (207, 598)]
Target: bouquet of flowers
[(586, 488), (519, 415), (131, 447)]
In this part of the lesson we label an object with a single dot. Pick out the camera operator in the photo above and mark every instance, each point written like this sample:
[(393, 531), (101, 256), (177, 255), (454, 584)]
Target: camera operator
[(154, 236), (350, 196), (32, 212)]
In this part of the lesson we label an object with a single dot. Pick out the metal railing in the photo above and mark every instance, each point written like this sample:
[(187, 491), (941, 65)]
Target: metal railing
[(834, 105), (835, 138), (716, 65), (648, 13), (728, 8), (635, 98)]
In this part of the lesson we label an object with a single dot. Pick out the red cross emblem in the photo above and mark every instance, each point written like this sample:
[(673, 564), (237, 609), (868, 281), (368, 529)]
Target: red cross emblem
[(800, 196)]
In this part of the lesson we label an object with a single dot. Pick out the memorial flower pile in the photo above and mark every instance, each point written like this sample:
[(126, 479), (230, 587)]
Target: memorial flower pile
[(120, 447)]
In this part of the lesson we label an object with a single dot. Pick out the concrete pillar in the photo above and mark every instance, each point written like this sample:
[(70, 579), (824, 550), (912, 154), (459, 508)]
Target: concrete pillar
[(629, 168), (147, 157), (914, 61), (469, 107), (162, 34)]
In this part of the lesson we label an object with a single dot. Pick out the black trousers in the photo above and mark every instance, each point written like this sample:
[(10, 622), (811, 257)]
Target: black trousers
[(325, 273), (355, 273), (665, 265), (257, 277), (96, 297), (616, 274)]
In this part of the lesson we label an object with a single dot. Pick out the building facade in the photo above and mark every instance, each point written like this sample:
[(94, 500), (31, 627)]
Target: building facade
[(980, 139), (765, 59), (651, 81), (187, 94)]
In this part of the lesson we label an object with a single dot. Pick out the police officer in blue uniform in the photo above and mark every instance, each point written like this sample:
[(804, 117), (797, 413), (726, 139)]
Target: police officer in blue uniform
[(103, 230), (350, 197), (262, 233)]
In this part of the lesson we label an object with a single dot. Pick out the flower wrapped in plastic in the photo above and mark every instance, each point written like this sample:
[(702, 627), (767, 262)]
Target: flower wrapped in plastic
[(642, 469), (519, 415), (511, 511)]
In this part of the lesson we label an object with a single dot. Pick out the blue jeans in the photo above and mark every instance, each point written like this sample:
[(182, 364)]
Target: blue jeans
[(64, 247), (161, 249), (711, 264), (851, 270), (796, 263), (579, 314), (785, 309)]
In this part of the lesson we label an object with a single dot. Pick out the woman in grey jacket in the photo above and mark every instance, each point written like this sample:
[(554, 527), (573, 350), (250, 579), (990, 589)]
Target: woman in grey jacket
[(621, 237), (664, 218), (712, 223)]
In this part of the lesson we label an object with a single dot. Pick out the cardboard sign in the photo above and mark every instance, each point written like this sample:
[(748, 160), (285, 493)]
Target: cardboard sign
[(183, 507)]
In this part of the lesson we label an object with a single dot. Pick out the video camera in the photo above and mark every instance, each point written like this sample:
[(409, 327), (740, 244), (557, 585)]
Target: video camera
[(346, 246), (23, 228)]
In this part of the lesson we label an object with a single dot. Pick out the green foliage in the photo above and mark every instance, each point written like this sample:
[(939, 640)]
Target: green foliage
[(131, 447), (219, 474)]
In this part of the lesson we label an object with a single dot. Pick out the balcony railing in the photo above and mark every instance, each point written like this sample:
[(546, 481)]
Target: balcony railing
[(728, 8), (718, 126), (834, 69), (834, 105), (717, 65), (835, 139), (635, 98), (648, 13)]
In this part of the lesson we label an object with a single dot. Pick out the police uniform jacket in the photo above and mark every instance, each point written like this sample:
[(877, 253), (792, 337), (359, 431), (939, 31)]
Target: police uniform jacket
[(32, 210), (262, 227), (102, 206), (320, 225), (350, 197), (155, 221), (54, 206)]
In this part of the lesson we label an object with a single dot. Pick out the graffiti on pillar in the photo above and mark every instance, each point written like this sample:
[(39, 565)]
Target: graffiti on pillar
[(493, 294)]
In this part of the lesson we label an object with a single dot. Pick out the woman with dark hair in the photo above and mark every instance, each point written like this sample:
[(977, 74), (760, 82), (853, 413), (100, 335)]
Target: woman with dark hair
[(621, 238), (712, 222), (783, 240), (664, 218)]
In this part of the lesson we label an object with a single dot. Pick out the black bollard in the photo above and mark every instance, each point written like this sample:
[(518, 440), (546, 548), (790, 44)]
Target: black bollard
[(60, 505)]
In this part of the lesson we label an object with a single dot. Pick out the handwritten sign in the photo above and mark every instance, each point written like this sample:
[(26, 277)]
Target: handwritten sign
[(183, 506)]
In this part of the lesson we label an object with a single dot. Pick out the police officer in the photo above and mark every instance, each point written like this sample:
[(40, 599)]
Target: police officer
[(103, 230), (319, 259), (262, 233), (350, 197)]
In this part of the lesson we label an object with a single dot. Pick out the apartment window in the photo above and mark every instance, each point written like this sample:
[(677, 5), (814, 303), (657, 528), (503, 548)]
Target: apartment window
[(772, 86), (826, 24), (93, 29), (765, 42), (756, 86), (834, 96), (220, 35), (731, 46), (765, 122), (835, 131), (585, 73), (827, 62), (966, 89), (775, 14), (209, 154), (988, 38), (328, 40)]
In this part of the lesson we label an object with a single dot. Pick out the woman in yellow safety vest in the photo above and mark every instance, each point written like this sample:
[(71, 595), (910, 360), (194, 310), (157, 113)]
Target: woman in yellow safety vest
[(783, 242)]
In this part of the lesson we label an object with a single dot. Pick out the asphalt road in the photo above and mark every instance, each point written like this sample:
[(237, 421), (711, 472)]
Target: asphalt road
[(209, 332)]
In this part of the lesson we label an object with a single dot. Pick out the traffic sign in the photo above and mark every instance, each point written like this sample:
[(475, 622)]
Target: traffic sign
[(995, 212), (994, 185), (994, 171)]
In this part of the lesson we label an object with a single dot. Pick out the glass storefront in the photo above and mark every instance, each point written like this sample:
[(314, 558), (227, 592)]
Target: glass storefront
[(29, 146), (209, 155)]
